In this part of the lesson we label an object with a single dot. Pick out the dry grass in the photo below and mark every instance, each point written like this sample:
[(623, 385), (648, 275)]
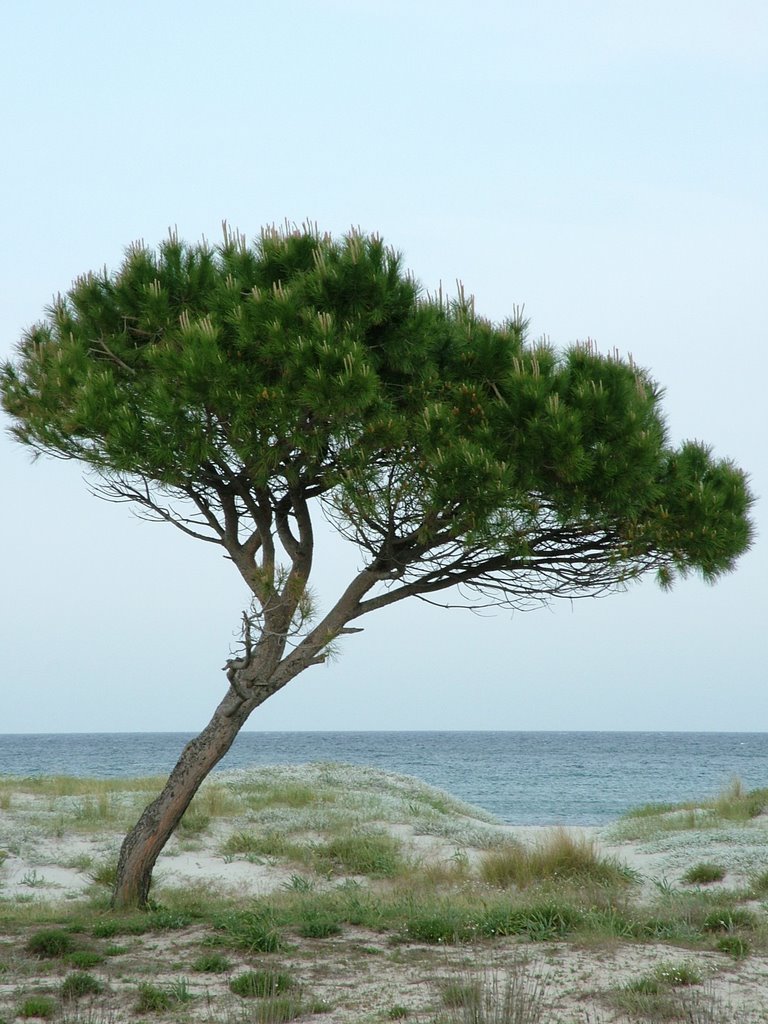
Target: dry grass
[(561, 855)]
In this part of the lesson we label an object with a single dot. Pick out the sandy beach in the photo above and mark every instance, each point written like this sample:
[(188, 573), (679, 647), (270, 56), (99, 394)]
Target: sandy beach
[(51, 852)]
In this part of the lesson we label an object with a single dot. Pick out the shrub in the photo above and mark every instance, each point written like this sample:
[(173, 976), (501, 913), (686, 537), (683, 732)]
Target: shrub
[(80, 984), (49, 943), (445, 924), (704, 873), (677, 974), (110, 927), (262, 984), (162, 919), (539, 921)]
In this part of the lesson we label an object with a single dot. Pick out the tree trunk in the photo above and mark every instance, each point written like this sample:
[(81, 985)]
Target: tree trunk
[(143, 844), (250, 685)]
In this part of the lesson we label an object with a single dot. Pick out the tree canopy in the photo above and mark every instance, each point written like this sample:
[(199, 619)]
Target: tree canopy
[(230, 389), (249, 378)]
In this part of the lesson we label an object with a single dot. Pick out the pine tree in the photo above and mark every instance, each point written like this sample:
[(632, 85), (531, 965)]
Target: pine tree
[(234, 390)]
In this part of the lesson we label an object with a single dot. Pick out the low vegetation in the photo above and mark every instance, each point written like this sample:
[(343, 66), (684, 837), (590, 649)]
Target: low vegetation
[(704, 874), (358, 896), (734, 805)]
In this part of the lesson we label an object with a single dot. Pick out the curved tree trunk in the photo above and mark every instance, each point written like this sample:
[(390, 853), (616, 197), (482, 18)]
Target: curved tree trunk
[(143, 844), (251, 684)]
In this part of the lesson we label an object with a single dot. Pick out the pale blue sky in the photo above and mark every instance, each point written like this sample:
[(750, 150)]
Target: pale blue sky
[(602, 162)]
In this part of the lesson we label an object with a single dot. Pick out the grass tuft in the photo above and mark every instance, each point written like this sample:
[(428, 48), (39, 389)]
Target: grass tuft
[(516, 997), (80, 984), (37, 1006), (262, 984), (49, 943), (560, 856), (704, 873), (211, 963)]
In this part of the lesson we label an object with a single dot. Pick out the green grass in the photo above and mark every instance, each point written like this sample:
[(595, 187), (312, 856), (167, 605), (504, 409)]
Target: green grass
[(729, 919), (152, 999), (376, 854), (85, 958), (513, 997), (37, 1006), (560, 856), (49, 943), (212, 963), (254, 931), (79, 984), (704, 873), (261, 984), (733, 945), (312, 822), (734, 805)]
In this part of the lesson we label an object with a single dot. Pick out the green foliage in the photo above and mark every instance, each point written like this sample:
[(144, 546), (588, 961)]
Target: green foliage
[(319, 926), (759, 883), (211, 963), (262, 984), (561, 856), (280, 1009), (83, 959), (306, 361), (252, 930), (517, 997), (733, 945), (80, 984), (152, 999), (49, 943), (272, 844), (461, 992), (453, 921), (37, 1006), (729, 919), (666, 994), (704, 873), (369, 853), (733, 805)]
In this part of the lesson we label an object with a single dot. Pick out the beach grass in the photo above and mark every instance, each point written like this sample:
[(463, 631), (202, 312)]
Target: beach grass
[(368, 866), (734, 805)]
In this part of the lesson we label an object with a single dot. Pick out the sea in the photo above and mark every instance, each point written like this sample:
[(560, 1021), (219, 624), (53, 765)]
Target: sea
[(524, 778)]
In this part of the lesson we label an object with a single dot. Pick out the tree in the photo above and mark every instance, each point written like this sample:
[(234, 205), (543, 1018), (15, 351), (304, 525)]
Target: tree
[(232, 390)]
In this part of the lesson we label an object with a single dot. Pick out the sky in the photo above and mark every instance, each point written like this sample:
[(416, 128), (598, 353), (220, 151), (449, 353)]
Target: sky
[(602, 163)]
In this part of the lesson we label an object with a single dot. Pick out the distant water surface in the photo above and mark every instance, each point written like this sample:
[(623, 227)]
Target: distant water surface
[(525, 778)]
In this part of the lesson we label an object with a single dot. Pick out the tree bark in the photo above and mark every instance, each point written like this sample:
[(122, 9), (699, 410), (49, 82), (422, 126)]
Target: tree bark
[(250, 685), (143, 844)]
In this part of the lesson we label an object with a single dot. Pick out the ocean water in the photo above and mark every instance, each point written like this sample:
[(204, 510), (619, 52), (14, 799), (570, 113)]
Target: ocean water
[(524, 778)]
